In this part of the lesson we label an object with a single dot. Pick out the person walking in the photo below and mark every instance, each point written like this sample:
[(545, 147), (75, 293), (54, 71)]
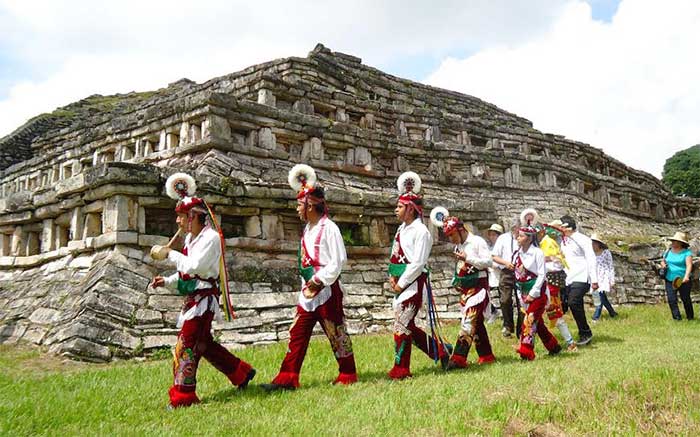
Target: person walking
[(678, 261), (581, 275), (606, 278)]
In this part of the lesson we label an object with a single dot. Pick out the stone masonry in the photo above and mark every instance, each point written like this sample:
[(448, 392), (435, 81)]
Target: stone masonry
[(82, 199)]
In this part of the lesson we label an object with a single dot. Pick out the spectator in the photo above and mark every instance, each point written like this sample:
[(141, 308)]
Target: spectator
[(606, 277), (505, 246), (581, 275), (678, 261)]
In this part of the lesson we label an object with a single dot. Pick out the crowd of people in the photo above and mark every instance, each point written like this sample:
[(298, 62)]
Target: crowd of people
[(538, 269)]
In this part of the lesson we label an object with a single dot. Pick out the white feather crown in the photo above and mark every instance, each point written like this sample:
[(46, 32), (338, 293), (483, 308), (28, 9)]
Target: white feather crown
[(529, 217), (180, 185), (409, 181), (300, 176), (438, 215)]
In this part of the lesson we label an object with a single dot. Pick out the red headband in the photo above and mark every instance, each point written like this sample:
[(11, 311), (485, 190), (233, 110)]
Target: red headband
[(409, 199)]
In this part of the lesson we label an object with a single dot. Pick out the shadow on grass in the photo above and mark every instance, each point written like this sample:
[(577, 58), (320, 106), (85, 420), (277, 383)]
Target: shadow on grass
[(605, 338)]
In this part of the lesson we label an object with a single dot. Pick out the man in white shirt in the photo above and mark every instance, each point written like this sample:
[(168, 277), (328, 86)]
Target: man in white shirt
[(505, 246), (581, 275), (321, 259), (472, 282), (493, 233), (408, 279), (197, 278)]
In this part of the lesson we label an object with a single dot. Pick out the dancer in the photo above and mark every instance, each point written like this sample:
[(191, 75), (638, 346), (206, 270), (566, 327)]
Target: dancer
[(200, 277), (408, 278), (321, 258), (472, 282)]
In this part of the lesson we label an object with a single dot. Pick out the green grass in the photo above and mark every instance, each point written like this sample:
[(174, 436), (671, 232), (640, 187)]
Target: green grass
[(640, 376)]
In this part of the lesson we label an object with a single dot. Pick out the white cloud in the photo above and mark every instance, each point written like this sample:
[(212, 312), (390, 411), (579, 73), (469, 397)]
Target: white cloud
[(69, 50), (629, 86)]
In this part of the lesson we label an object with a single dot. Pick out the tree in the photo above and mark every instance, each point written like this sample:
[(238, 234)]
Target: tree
[(682, 172)]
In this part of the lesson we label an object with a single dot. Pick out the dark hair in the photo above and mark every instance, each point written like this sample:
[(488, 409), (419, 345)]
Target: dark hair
[(419, 202), (569, 222), (320, 193), (201, 217)]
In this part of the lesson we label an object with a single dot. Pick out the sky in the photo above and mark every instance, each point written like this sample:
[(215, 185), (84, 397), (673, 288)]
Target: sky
[(619, 75)]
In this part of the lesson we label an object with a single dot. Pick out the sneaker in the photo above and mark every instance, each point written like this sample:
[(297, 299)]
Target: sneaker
[(572, 347), (507, 333), (555, 350), (276, 387), (594, 320), (584, 340), (248, 378)]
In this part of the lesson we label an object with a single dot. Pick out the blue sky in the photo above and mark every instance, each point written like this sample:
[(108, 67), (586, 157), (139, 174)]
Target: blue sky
[(586, 69)]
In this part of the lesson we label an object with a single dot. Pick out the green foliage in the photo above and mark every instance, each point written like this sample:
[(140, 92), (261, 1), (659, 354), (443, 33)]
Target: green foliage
[(347, 236), (682, 172), (639, 377)]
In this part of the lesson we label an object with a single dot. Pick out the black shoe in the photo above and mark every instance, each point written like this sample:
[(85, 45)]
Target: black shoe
[(249, 377), (276, 387), (584, 340), (556, 350)]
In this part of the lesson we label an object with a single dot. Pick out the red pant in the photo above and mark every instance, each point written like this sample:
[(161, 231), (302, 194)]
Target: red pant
[(473, 331), (533, 324), (407, 333), (332, 319), (194, 342)]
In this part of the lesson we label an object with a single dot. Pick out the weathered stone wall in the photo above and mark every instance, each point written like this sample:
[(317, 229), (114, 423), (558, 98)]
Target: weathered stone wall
[(77, 218)]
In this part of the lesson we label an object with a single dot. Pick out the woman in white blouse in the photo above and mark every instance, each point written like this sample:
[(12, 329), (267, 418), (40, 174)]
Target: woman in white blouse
[(606, 278)]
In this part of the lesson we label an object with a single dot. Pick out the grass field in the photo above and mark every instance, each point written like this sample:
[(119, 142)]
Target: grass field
[(640, 375)]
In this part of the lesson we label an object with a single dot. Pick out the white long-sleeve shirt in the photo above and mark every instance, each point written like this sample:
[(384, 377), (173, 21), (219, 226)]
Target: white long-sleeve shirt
[(533, 260), (504, 247), (202, 259), (578, 251), (416, 243), (331, 257), (477, 252), (605, 270)]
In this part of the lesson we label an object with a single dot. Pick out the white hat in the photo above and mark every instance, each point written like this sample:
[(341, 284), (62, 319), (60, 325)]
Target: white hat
[(680, 236), (496, 228), (595, 237)]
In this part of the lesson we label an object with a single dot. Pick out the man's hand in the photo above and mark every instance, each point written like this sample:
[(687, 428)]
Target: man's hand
[(158, 281), (528, 299), (311, 288), (394, 284), (510, 266), (459, 255), (594, 285), (686, 279)]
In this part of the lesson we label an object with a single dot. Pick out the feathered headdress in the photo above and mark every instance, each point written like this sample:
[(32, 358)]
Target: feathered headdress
[(529, 219), (441, 218), (409, 185), (182, 187), (302, 178)]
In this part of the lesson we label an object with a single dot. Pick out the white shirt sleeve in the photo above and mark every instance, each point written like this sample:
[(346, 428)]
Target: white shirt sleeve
[(479, 256), (590, 258), (171, 281), (422, 244), (335, 253), (535, 292), (202, 261)]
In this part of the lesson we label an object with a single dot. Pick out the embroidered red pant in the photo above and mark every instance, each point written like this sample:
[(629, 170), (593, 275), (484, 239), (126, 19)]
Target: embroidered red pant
[(194, 342), (473, 330), (534, 325), (332, 319), (407, 333)]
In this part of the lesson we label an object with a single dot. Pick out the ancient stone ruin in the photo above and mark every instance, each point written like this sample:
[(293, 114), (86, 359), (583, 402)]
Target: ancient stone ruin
[(82, 199)]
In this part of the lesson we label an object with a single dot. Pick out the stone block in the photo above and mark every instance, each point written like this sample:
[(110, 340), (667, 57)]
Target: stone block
[(44, 316), (79, 347), (216, 128), (272, 228), (252, 227), (266, 139), (265, 300), (266, 97)]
